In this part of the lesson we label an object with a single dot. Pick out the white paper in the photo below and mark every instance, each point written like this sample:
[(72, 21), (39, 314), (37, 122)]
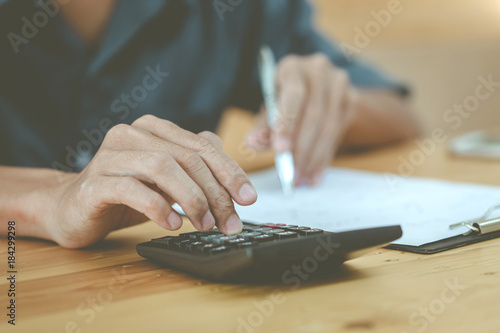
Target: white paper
[(349, 199)]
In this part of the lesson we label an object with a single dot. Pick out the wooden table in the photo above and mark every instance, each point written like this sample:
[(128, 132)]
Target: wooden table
[(109, 288)]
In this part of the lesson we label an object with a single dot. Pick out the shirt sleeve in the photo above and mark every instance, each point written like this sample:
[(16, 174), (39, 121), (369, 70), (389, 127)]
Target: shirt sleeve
[(287, 27)]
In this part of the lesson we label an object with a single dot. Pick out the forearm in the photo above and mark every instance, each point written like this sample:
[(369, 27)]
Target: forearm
[(27, 196), (381, 117)]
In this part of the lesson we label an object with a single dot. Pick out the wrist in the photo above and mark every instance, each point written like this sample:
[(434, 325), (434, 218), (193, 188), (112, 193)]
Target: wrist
[(36, 205)]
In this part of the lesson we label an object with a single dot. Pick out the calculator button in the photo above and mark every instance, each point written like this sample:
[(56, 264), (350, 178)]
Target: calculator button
[(193, 245), (250, 227), (247, 235), (263, 229), (247, 244), (164, 240), (269, 225), (191, 235), (205, 248), (285, 235), (179, 243), (290, 227), (219, 249), (234, 242), (223, 239), (280, 225), (272, 231), (262, 238), (309, 232), (297, 229), (210, 237)]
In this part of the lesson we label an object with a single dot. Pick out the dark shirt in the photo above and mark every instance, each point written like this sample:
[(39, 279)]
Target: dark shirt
[(181, 60)]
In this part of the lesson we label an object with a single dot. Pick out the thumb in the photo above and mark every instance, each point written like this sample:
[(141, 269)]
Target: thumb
[(259, 138)]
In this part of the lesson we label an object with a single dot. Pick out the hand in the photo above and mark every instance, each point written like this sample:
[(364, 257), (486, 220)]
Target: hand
[(316, 107), (139, 172)]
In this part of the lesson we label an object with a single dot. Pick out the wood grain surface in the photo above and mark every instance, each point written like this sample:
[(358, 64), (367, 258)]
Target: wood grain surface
[(109, 288)]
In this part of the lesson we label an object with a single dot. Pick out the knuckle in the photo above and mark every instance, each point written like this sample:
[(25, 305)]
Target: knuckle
[(153, 202), (157, 162), (145, 120), (203, 144), (207, 134), (221, 200), (95, 165), (233, 175), (191, 160), (289, 61), (198, 201), (102, 154), (320, 60), (117, 133), (211, 136)]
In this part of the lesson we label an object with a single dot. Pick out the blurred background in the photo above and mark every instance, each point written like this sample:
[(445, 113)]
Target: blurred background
[(438, 47)]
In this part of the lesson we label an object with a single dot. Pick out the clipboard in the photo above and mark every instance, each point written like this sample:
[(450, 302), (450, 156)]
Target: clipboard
[(480, 229)]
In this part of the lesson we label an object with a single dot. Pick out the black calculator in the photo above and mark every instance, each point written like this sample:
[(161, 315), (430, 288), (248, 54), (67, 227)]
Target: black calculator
[(264, 252)]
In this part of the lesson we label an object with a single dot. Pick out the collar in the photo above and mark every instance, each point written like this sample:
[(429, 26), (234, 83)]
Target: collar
[(128, 18)]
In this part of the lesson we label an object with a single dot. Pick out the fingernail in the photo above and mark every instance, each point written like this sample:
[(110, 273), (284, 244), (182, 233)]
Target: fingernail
[(174, 221), (233, 225), (208, 221), (281, 143), (247, 193)]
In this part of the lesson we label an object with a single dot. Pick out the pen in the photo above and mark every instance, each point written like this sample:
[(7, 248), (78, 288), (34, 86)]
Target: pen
[(283, 160), (482, 225)]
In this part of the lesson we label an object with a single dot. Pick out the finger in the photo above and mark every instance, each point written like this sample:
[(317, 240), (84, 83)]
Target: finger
[(219, 200), (291, 98), (324, 150), (331, 129), (344, 122), (125, 137), (161, 169), (212, 137), (259, 138), (155, 188), (313, 119), (131, 192), (227, 172)]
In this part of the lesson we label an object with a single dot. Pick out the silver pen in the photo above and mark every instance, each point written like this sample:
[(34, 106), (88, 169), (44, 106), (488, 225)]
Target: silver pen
[(283, 160)]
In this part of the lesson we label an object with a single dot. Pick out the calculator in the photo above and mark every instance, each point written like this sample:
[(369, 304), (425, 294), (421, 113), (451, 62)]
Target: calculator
[(264, 252)]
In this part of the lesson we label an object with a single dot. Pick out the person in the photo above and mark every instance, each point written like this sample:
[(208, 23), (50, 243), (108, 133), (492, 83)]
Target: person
[(109, 106)]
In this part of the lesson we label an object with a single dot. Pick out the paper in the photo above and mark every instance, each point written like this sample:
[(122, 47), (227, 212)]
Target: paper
[(349, 199)]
